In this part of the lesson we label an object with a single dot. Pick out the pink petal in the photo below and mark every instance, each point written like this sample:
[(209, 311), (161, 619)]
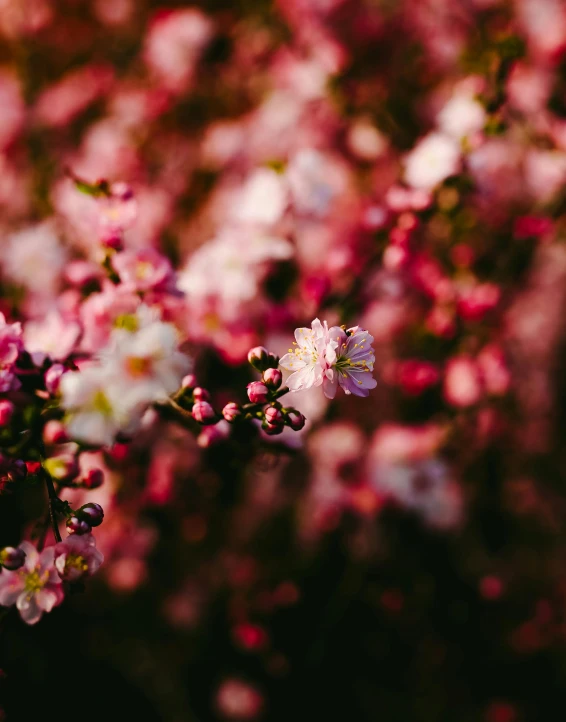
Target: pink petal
[(28, 608)]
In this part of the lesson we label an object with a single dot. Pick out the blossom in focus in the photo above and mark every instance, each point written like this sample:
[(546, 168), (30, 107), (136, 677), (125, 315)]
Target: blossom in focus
[(307, 362), (77, 557), (331, 357), (351, 362), (34, 588)]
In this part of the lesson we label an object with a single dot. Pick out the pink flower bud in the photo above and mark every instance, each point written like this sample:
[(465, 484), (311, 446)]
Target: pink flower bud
[(53, 378), (6, 412), (189, 381), (258, 393), (258, 357), (200, 394), (77, 526), (93, 479), (54, 432), (212, 435), (92, 513), (475, 302), (12, 558), (203, 413), (272, 378), (272, 429), (231, 411), (415, 376), (295, 419), (273, 416), (462, 382)]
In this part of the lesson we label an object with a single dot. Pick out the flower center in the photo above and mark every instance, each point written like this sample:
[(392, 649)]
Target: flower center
[(34, 581), (138, 365), (127, 321), (76, 561), (101, 404)]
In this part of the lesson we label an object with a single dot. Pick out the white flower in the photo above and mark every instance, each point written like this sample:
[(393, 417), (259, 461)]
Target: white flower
[(97, 408), (35, 258), (308, 361), (462, 116), (147, 363), (432, 160), (263, 198)]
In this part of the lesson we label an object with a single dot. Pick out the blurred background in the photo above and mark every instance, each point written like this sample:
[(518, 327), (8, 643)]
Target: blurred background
[(398, 164)]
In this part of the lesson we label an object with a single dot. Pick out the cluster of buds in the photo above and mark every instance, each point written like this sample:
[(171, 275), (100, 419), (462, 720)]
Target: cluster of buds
[(263, 396), (82, 520)]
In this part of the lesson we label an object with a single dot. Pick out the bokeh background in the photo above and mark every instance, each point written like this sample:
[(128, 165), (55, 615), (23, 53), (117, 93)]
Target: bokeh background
[(398, 164)]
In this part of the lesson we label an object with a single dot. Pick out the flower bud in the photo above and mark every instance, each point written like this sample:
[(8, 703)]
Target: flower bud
[(203, 413), (213, 435), (54, 432), (231, 412), (272, 378), (93, 479), (272, 429), (12, 558), (77, 526), (6, 412), (273, 416), (200, 394), (52, 378), (189, 381), (91, 513), (295, 419), (258, 357), (258, 393)]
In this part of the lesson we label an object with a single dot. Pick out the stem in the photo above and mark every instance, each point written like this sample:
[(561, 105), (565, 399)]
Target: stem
[(53, 499)]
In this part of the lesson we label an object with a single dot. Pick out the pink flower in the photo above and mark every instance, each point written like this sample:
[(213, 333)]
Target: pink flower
[(142, 270), (331, 357), (350, 362), (462, 382), (10, 347), (307, 362), (77, 557), (34, 588), (117, 212), (432, 160)]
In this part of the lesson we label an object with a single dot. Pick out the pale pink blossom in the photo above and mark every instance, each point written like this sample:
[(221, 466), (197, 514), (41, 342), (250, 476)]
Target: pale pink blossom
[(432, 160), (307, 363), (462, 116), (143, 270), (77, 557), (462, 382), (11, 345), (35, 258), (174, 43), (263, 198), (350, 362), (51, 336), (35, 588)]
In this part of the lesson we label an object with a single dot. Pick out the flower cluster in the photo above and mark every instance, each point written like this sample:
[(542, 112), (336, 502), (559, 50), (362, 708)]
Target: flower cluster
[(331, 357)]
